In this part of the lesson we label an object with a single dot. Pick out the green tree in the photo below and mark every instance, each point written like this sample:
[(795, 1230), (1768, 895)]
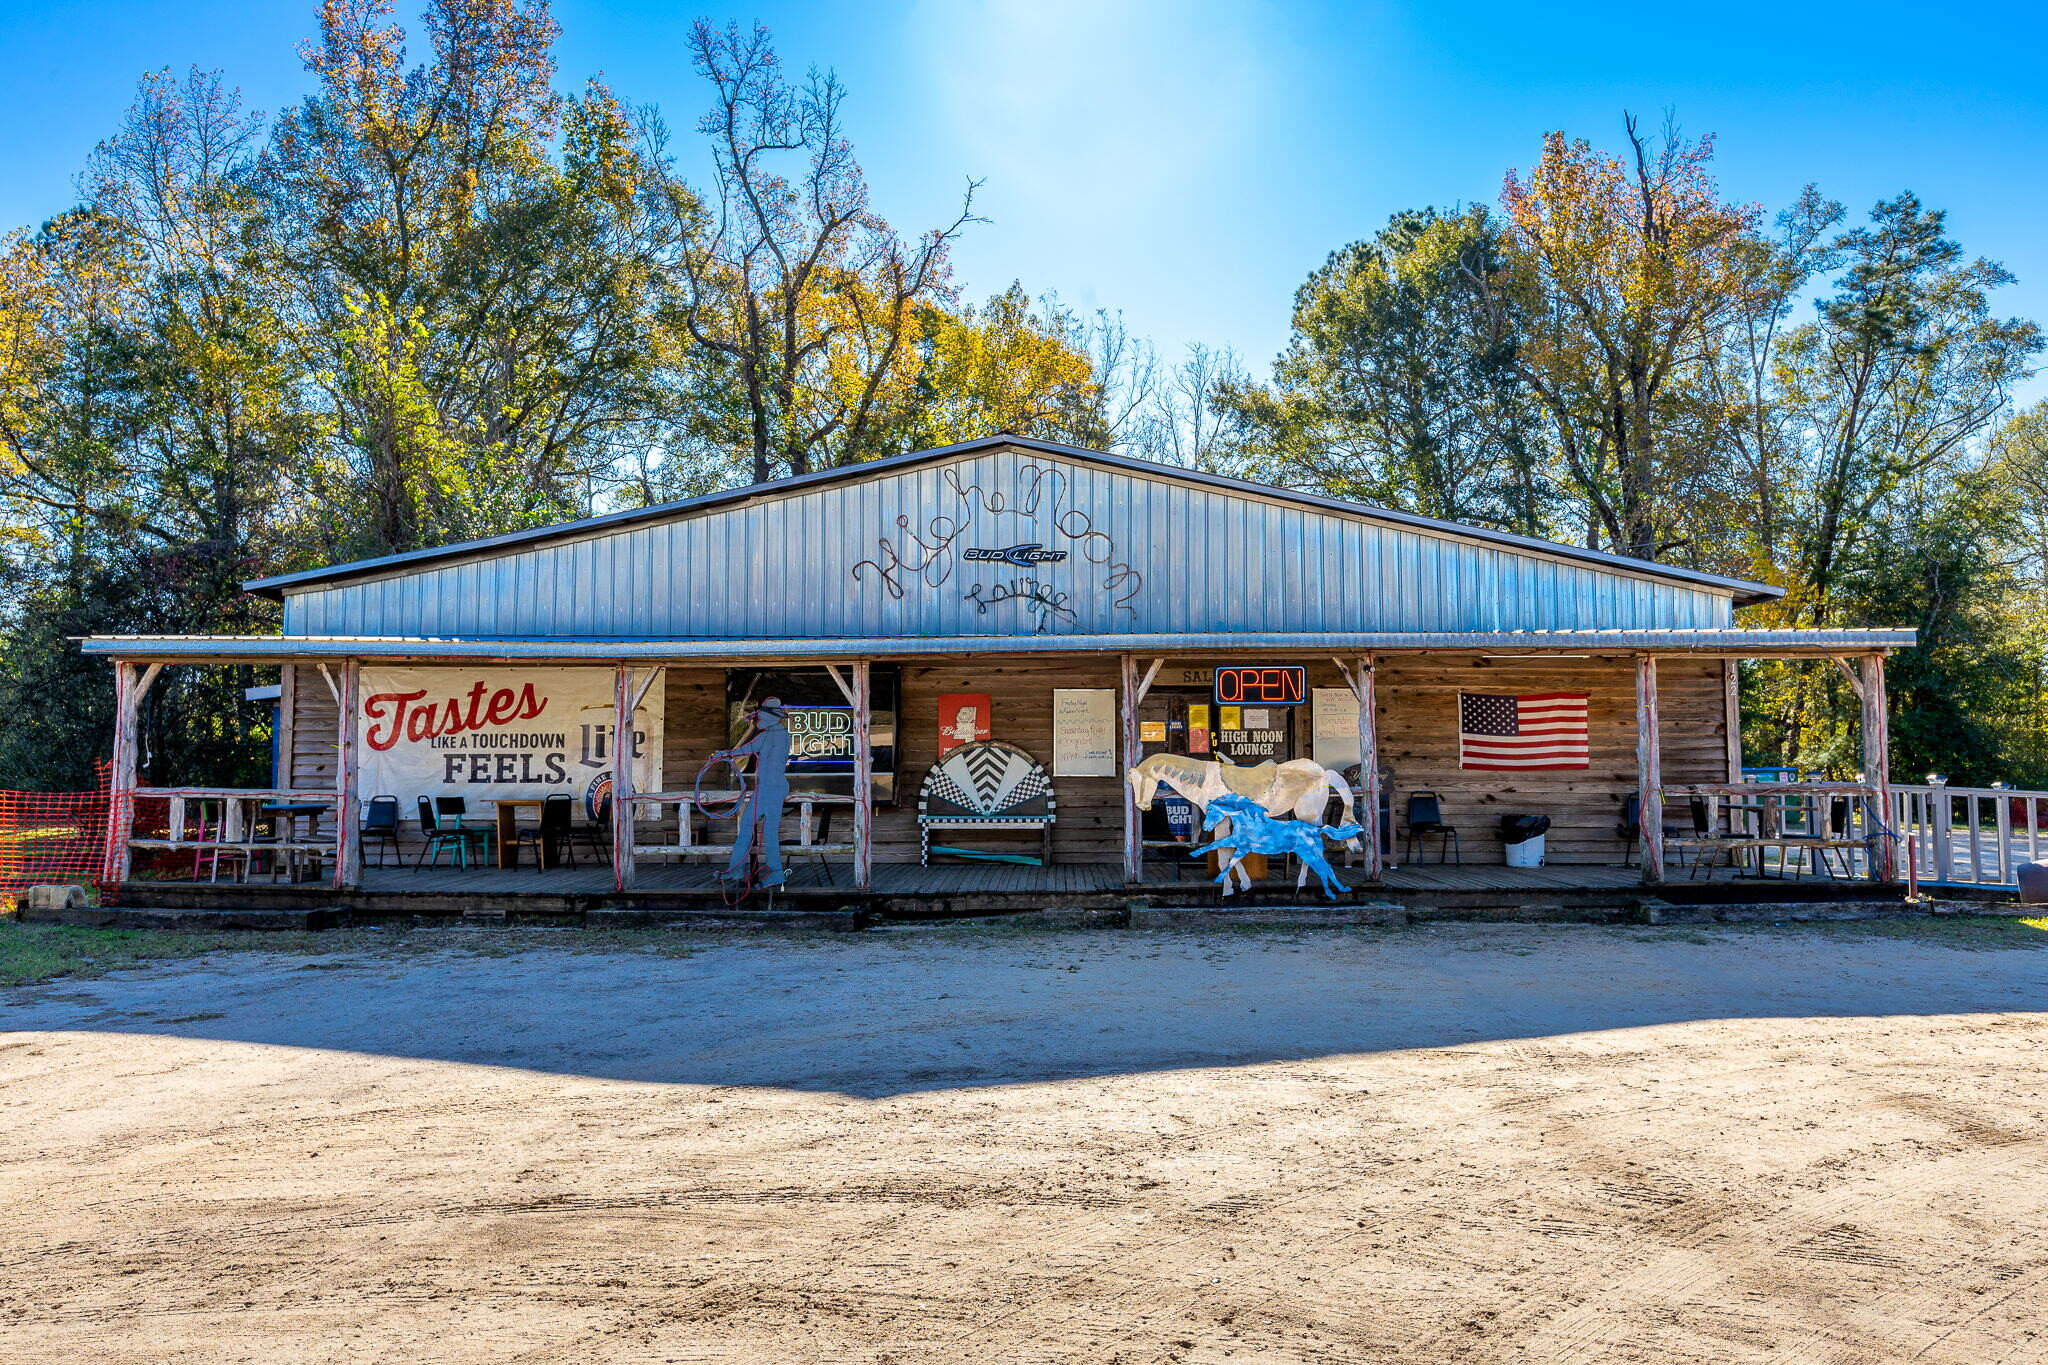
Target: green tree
[(1901, 373), (473, 312), (1397, 387), (1623, 273)]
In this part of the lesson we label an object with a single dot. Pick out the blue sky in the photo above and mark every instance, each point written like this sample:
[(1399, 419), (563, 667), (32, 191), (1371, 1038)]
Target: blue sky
[(1188, 161)]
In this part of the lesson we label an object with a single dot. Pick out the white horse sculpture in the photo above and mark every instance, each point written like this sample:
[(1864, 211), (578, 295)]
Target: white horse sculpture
[(1300, 787)]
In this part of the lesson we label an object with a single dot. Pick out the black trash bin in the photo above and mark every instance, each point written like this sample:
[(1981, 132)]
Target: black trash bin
[(1522, 835)]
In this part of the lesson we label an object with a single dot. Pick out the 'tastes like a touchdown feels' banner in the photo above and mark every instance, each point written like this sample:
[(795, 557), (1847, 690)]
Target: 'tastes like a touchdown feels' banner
[(488, 733)]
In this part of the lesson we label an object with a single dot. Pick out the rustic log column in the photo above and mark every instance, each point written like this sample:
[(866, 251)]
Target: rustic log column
[(287, 722), (348, 851), (1877, 766), (1649, 772), (1129, 746), (121, 774), (1369, 763), (1731, 689), (863, 778), (622, 778)]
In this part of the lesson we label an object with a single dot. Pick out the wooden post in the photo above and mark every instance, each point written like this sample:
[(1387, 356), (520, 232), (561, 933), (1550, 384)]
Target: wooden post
[(1368, 763), (622, 778), (121, 776), (1877, 766), (287, 724), (863, 778), (124, 776), (1731, 687), (1649, 772), (1127, 715), (348, 852)]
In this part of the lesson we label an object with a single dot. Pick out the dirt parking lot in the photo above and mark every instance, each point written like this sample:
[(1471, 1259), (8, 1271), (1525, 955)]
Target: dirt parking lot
[(1451, 1144)]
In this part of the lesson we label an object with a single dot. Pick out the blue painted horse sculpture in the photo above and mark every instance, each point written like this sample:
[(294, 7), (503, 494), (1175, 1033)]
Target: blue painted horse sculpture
[(1252, 830)]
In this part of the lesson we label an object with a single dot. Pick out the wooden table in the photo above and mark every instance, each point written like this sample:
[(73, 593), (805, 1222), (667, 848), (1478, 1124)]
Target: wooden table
[(508, 829), (287, 814)]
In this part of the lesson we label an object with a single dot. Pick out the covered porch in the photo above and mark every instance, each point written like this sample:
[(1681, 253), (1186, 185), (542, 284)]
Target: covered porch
[(1659, 800)]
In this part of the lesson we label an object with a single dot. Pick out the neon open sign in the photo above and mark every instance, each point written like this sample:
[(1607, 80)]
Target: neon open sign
[(1263, 685)]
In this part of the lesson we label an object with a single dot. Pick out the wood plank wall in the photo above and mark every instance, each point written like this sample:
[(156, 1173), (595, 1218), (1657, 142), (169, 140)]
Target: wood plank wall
[(1418, 727), (1090, 825), (315, 754)]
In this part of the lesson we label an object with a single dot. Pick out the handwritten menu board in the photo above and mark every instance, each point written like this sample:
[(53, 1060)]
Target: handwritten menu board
[(1336, 727), (1084, 732)]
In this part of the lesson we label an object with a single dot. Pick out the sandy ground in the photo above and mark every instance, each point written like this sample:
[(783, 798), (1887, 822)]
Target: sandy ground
[(1448, 1145)]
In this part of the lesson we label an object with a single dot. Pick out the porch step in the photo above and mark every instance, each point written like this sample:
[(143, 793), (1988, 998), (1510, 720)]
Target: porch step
[(1654, 911), (647, 917), (1816, 910), (197, 920), (1144, 914)]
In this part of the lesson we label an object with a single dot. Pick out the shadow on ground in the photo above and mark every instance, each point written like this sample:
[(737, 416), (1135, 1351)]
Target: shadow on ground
[(898, 1012)]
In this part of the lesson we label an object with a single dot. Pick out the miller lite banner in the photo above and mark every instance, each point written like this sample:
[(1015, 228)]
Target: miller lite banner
[(485, 733)]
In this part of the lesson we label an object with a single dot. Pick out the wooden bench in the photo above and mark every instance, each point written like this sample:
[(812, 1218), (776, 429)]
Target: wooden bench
[(986, 785)]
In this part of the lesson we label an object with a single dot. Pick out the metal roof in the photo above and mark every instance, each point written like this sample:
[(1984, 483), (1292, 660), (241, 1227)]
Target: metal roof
[(259, 647), (1744, 591)]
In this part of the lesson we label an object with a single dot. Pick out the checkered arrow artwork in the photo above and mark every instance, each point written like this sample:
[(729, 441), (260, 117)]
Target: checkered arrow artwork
[(1518, 734)]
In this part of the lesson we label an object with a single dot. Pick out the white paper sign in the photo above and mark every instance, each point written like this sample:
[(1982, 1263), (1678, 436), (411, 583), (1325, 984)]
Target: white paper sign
[(491, 732), (1083, 732), (1335, 727)]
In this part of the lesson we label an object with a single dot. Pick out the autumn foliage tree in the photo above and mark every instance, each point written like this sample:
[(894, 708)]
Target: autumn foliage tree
[(1668, 376), (1622, 272), (439, 298)]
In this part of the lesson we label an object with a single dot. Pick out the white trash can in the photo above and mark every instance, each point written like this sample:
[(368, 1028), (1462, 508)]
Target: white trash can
[(1528, 853)]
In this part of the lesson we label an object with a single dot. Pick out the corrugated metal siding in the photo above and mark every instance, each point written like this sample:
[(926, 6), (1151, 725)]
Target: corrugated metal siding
[(1209, 561)]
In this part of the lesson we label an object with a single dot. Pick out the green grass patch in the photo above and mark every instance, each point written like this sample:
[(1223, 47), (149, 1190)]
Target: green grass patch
[(41, 952), (30, 953), (1980, 932)]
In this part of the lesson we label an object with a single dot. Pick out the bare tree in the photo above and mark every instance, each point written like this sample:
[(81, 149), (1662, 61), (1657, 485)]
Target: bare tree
[(798, 284)]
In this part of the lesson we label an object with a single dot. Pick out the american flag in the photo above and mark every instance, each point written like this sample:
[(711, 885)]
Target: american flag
[(1515, 734)]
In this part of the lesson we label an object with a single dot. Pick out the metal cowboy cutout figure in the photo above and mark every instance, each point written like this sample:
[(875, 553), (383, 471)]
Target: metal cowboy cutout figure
[(761, 810)]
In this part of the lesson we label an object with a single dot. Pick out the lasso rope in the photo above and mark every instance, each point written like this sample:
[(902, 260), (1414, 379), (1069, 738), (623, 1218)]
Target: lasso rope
[(738, 785)]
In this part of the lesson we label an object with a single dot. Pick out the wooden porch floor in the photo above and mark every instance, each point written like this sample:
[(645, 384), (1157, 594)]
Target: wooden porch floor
[(954, 879), (892, 879)]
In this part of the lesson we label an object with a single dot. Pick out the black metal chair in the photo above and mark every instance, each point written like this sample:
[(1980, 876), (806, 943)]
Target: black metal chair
[(597, 834), (1630, 828), (438, 837), (550, 838), (1839, 811), (1426, 818), (456, 808), (380, 827), (1703, 834)]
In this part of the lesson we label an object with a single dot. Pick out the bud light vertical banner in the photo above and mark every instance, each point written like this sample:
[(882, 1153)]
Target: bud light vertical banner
[(486, 733)]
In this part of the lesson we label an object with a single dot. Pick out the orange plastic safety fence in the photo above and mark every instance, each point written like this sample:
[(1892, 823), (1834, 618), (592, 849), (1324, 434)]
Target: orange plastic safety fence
[(53, 837)]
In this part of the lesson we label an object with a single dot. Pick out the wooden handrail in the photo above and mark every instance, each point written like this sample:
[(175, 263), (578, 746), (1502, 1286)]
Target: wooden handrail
[(231, 794), (1772, 788), (671, 798)]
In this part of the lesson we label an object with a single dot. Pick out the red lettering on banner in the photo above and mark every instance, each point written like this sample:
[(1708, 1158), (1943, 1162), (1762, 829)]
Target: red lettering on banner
[(503, 705), (395, 715)]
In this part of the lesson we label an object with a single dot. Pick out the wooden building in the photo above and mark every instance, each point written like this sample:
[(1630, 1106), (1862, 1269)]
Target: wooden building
[(1084, 608)]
